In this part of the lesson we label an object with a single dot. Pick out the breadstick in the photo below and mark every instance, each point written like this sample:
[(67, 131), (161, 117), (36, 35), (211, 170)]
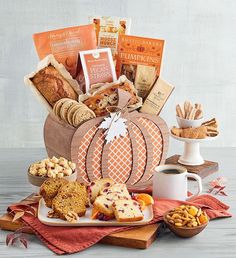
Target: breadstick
[(198, 106), (189, 112), (179, 111), (198, 114), (192, 114)]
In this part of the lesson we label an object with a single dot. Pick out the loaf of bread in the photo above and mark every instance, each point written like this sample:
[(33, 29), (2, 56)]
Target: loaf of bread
[(52, 85), (127, 210)]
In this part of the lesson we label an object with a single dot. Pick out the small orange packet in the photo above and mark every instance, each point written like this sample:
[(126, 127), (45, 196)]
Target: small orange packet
[(98, 67), (65, 44)]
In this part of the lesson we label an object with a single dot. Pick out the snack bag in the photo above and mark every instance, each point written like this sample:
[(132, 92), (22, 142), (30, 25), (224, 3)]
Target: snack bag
[(98, 66), (136, 58), (108, 30), (65, 44)]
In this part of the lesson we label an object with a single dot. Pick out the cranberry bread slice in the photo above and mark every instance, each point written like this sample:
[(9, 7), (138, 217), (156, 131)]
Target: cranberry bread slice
[(96, 186), (127, 210), (103, 203), (121, 189)]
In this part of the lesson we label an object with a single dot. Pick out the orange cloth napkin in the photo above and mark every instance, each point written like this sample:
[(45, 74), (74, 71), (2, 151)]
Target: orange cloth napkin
[(67, 240)]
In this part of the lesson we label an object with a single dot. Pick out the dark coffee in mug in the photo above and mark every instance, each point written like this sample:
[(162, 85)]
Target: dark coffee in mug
[(171, 171)]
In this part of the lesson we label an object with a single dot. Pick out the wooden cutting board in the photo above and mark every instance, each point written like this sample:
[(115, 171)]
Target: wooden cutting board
[(140, 238)]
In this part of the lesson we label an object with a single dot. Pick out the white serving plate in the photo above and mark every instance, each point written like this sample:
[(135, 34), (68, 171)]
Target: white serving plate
[(86, 221)]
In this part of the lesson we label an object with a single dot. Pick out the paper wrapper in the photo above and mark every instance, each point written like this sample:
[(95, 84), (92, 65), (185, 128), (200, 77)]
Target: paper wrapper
[(50, 60), (97, 88)]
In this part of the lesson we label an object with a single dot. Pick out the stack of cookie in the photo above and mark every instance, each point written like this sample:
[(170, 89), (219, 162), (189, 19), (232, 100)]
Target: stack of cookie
[(72, 112)]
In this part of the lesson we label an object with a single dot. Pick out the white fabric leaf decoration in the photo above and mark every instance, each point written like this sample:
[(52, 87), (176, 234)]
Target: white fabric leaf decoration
[(115, 127)]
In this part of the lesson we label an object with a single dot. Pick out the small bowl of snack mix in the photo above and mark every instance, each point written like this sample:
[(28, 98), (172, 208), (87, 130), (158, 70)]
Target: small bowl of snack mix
[(51, 168), (186, 220)]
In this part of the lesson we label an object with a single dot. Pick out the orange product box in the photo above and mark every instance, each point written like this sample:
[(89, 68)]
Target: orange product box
[(134, 51), (108, 29), (65, 44), (98, 66)]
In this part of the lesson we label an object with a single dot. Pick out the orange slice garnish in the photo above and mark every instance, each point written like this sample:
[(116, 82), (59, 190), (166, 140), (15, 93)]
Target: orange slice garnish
[(146, 198), (142, 204), (94, 214)]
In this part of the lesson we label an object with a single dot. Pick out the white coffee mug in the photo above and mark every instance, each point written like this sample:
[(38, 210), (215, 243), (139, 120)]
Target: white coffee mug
[(171, 182)]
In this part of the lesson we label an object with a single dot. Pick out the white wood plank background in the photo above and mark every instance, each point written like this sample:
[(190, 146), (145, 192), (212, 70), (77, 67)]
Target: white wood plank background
[(199, 58)]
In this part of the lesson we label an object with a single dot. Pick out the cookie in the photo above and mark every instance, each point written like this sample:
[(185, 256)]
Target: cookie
[(71, 111), (58, 105), (81, 115), (65, 107)]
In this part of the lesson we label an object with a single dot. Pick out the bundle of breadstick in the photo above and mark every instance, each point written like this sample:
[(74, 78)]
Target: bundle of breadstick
[(208, 128), (189, 111)]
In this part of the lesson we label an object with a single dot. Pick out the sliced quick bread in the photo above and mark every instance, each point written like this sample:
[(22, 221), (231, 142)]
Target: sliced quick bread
[(95, 187), (127, 210), (103, 203), (120, 189)]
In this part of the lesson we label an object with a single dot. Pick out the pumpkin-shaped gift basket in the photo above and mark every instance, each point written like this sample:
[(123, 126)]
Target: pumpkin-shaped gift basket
[(130, 159)]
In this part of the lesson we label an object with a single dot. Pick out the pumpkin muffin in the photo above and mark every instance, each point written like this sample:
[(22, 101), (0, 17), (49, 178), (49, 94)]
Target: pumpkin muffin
[(50, 188), (68, 206), (76, 187)]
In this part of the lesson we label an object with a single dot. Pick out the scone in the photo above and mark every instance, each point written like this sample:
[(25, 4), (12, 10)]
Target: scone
[(103, 203), (50, 188), (76, 187), (96, 186), (127, 211), (68, 206), (109, 97), (52, 85)]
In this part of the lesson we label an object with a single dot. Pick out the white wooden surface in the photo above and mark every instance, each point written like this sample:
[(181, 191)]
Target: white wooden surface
[(216, 241), (199, 56)]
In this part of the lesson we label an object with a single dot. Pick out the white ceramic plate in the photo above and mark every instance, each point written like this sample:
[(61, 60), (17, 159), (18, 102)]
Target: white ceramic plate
[(86, 221)]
